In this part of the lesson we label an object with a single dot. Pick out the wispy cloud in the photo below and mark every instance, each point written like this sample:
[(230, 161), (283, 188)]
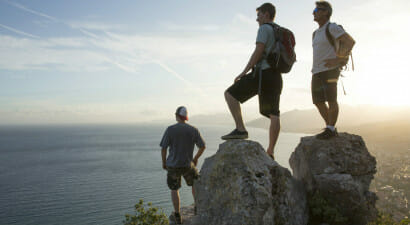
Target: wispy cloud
[(179, 27), (98, 26), (18, 31), (24, 8), (126, 51), (181, 78)]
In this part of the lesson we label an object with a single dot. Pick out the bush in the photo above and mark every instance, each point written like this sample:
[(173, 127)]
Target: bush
[(320, 211), (387, 219), (150, 216)]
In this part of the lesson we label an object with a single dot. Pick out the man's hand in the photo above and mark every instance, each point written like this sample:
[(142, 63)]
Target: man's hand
[(164, 166), (239, 77), (198, 154), (195, 161), (334, 62)]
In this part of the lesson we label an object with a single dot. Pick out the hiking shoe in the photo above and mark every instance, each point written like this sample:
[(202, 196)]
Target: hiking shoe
[(176, 217), (326, 134), (236, 134)]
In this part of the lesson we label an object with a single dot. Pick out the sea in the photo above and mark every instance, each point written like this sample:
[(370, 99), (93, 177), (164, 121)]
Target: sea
[(95, 174)]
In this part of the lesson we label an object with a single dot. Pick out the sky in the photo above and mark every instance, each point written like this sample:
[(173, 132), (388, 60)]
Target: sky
[(137, 61)]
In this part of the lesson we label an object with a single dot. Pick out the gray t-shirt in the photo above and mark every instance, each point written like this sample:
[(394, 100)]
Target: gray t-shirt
[(265, 36), (181, 139), (322, 49)]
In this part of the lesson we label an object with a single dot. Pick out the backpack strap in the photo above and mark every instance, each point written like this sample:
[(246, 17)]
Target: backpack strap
[(275, 31), (276, 34), (330, 37), (332, 43)]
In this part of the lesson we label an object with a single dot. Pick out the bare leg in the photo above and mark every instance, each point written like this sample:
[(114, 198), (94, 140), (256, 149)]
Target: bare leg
[(235, 109), (333, 113), (175, 200), (273, 133), (324, 111), (193, 193)]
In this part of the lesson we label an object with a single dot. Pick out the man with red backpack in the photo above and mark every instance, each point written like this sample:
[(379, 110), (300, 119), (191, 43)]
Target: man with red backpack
[(331, 50), (265, 80)]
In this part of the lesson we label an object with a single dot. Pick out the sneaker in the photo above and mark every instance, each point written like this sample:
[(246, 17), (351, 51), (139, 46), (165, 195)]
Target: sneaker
[(236, 134), (176, 217), (326, 134)]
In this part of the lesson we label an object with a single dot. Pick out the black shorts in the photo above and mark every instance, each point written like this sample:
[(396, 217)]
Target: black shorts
[(324, 86), (269, 89)]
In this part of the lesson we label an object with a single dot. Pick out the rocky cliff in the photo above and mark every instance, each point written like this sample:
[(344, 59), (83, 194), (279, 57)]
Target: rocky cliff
[(337, 173), (240, 184)]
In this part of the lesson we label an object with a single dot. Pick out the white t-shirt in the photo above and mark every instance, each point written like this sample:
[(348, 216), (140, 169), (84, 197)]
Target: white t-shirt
[(322, 49)]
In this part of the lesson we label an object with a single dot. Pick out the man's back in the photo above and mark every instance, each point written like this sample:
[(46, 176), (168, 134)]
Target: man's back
[(181, 139)]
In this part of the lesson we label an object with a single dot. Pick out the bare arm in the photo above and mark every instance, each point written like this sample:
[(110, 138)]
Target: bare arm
[(198, 154), (256, 56), (164, 158), (346, 44)]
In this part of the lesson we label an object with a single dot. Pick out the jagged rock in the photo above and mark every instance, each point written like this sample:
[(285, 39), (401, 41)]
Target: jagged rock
[(240, 184), (340, 169), (187, 213)]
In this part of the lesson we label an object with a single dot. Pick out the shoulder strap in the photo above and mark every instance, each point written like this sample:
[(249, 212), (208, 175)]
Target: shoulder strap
[(330, 37), (274, 27)]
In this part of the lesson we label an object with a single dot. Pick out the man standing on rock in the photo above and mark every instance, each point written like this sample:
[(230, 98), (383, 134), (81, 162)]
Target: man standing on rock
[(181, 139), (246, 85), (331, 49)]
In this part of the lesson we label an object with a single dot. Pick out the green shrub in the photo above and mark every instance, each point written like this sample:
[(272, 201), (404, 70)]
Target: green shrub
[(320, 211), (387, 219), (150, 216)]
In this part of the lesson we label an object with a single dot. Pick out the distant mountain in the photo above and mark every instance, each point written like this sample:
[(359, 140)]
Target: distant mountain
[(309, 121), (386, 128)]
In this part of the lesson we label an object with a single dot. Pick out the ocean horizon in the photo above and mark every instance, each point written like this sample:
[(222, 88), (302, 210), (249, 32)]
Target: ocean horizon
[(95, 174)]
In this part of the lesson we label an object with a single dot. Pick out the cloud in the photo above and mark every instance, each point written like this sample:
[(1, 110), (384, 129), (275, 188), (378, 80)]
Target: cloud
[(181, 78), (18, 31), (180, 27), (24, 8), (128, 51), (97, 26)]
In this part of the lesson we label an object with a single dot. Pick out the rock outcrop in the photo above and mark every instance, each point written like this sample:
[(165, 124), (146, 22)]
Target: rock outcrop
[(339, 171), (240, 184)]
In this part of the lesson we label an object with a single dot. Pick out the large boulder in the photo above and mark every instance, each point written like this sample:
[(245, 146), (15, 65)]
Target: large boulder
[(240, 184), (339, 172)]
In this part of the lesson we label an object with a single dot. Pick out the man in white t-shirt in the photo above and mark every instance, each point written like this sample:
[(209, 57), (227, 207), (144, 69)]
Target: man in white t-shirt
[(331, 48)]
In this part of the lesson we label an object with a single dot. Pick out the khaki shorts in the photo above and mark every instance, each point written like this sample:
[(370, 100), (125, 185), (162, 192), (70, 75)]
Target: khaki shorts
[(175, 173), (324, 86)]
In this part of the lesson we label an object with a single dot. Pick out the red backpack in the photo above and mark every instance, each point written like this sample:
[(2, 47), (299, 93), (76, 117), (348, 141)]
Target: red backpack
[(282, 56)]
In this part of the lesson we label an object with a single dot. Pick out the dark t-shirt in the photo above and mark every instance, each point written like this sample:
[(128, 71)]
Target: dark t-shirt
[(181, 139)]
